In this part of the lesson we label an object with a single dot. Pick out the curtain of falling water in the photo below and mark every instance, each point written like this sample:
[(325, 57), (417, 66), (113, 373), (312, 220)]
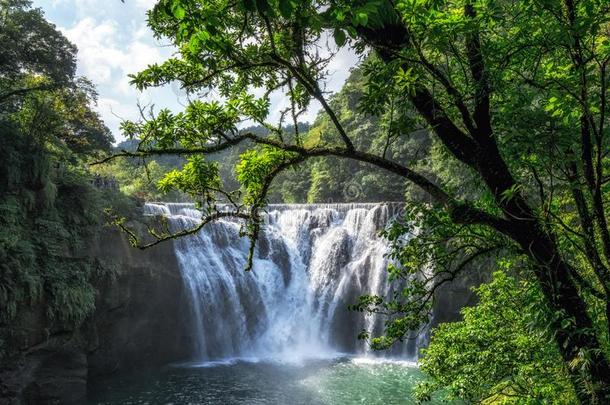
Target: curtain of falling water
[(311, 261)]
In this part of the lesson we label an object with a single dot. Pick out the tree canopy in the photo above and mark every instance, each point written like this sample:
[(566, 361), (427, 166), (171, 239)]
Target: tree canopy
[(48, 205), (514, 94), (496, 354), (31, 46)]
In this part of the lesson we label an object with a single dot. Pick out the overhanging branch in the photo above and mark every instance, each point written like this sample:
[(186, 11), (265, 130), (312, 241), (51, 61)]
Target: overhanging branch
[(191, 231), (461, 212)]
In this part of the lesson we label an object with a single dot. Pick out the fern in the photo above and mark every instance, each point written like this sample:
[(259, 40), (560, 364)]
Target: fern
[(46, 217)]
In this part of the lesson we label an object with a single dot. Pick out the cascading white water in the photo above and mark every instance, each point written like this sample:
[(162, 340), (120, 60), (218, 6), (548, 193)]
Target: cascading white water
[(311, 261)]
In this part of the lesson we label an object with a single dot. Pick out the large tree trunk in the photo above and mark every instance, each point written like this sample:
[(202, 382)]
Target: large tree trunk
[(571, 323)]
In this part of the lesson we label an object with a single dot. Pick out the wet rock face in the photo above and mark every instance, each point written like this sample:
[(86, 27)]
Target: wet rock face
[(281, 258), (53, 373), (452, 297), (139, 322), (57, 376)]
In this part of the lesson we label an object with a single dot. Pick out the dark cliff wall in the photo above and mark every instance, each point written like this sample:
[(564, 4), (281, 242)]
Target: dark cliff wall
[(140, 321), (457, 294), (142, 317)]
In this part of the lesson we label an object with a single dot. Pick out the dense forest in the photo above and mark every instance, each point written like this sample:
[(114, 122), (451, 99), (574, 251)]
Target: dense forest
[(487, 119), (48, 205), (326, 179)]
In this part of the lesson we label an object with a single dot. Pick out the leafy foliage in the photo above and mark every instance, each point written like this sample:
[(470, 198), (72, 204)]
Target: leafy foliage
[(256, 166), (513, 94), (48, 205), (496, 354), (196, 178), (46, 216), (31, 46)]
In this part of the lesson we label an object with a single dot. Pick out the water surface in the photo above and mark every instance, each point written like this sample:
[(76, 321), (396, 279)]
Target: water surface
[(312, 382)]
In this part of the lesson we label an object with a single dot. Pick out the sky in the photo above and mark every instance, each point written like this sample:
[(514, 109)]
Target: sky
[(113, 41)]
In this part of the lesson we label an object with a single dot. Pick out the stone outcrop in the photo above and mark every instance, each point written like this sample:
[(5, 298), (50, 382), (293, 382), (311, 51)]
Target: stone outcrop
[(450, 298), (140, 322), (141, 318)]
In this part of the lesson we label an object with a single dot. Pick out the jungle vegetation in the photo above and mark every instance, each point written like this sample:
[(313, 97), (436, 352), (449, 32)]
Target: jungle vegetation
[(488, 116), (513, 95), (49, 207)]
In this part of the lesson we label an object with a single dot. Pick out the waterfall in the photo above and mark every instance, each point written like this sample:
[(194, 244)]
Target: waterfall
[(310, 263)]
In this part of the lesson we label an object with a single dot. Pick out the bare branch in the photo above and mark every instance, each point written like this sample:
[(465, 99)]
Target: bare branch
[(159, 239)]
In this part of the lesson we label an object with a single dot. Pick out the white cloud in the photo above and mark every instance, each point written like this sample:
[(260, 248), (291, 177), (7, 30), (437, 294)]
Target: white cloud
[(103, 57), (97, 55), (114, 41), (146, 4)]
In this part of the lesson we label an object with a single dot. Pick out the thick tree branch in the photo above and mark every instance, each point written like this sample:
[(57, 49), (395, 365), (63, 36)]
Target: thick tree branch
[(482, 115), (461, 212)]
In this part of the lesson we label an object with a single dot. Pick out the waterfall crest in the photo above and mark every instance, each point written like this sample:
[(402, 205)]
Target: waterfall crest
[(311, 261)]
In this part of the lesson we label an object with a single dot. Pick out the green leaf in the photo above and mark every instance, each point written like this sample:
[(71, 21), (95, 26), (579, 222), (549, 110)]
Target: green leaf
[(178, 11), (286, 8), (361, 19), (194, 45), (339, 36)]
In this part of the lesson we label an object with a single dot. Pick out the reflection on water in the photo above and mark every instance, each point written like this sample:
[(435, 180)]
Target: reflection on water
[(335, 381)]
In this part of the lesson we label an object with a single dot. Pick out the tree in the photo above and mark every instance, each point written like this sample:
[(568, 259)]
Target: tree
[(31, 46), (495, 354), (48, 206), (514, 92)]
